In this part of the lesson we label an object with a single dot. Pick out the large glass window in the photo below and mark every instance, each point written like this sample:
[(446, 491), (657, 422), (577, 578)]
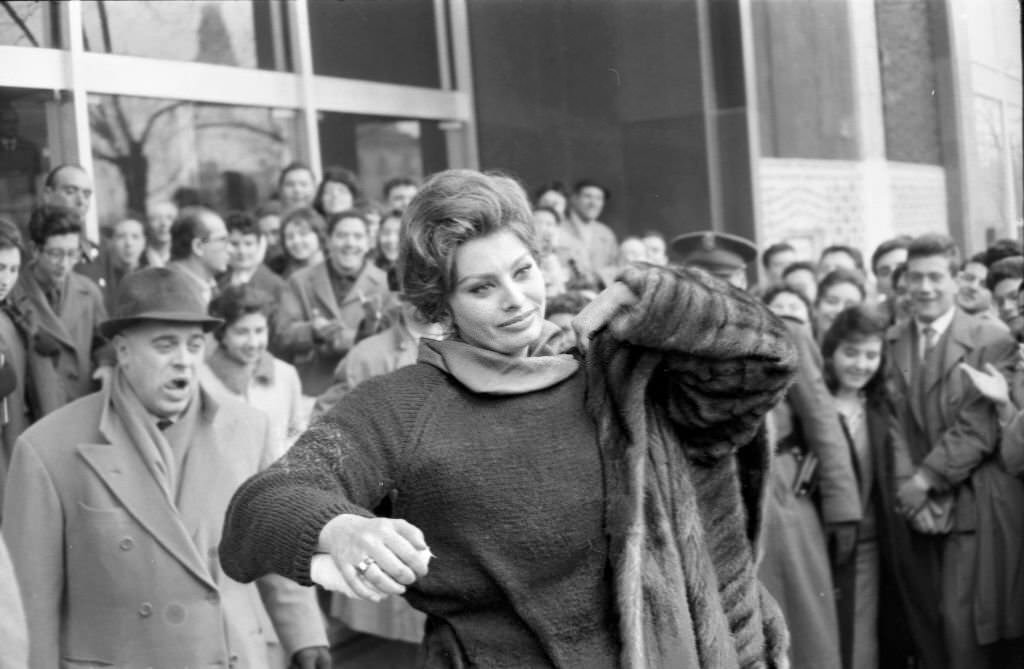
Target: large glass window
[(31, 121), (393, 41), (29, 23), (145, 150), (240, 32), (379, 148)]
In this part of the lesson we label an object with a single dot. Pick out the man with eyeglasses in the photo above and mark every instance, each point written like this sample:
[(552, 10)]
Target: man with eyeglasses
[(66, 347), (200, 249)]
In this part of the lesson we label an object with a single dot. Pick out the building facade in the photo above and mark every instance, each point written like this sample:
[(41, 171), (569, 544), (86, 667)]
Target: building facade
[(809, 120)]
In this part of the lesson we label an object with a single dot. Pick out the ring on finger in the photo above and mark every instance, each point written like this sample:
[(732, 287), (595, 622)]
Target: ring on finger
[(364, 565)]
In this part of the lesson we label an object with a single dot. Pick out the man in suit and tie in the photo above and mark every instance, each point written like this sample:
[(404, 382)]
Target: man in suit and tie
[(67, 309), (951, 487), (116, 501), (199, 249)]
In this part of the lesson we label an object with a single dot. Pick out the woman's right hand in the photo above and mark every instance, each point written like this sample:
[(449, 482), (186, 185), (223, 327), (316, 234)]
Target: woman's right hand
[(393, 552)]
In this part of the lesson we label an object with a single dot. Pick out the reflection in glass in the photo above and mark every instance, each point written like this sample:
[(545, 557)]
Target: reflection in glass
[(147, 150), (28, 23), (238, 33)]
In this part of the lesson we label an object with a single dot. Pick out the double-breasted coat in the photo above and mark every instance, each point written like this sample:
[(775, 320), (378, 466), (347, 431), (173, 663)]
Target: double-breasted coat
[(109, 568), (942, 423), (310, 292)]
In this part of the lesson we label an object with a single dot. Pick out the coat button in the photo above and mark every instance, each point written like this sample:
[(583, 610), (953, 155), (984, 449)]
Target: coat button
[(146, 610), (127, 544)]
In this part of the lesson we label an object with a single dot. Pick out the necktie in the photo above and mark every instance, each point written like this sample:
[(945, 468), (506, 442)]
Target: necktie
[(928, 341), (53, 297), (163, 424)]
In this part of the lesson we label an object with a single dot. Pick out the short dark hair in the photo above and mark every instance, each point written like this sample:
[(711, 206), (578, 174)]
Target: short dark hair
[(334, 219), (10, 236), (51, 176), (842, 275), (243, 223), (855, 324), (50, 220), (978, 259), (934, 244), (395, 182), (452, 208), (780, 289), (550, 210), (190, 225), (887, 247), (590, 183), (1001, 248), (855, 254), (556, 186), (340, 175), (800, 265), (898, 273), (1007, 268), (291, 167), (310, 217), (234, 302), (774, 250)]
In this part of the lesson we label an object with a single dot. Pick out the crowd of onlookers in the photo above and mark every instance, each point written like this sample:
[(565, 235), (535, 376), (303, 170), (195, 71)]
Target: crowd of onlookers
[(895, 522)]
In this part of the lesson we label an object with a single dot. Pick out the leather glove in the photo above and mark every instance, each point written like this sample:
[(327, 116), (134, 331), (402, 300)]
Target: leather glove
[(842, 541), (45, 344), (913, 495), (314, 657), (8, 379)]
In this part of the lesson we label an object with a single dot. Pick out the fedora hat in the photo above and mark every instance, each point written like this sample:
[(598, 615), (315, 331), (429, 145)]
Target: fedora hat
[(156, 294)]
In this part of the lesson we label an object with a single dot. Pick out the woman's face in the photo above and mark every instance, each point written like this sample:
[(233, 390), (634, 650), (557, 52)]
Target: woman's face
[(297, 188), (129, 241), (336, 197), (498, 299), (245, 340), (856, 362), (348, 244), (389, 228), (547, 227), (834, 299), (300, 240), (10, 265), (788, 304)]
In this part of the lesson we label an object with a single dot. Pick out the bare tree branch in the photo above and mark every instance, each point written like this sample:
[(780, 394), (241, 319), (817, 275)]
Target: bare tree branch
[(101, 6), (241, 125), (160, 112), (105, 156), (19, 22)]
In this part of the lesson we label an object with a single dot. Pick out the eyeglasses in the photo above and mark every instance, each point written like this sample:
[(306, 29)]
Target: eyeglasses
[(57, 255)]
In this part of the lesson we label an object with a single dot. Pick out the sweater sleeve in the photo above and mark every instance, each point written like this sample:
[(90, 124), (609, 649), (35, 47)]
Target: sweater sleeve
[(728, 358), (345, 463)]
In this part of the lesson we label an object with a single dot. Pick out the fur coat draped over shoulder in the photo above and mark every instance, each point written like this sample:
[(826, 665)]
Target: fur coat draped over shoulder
[(682, 369)]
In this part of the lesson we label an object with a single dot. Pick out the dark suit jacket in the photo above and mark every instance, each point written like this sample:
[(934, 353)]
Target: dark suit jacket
[(309, 290), (941, 423)]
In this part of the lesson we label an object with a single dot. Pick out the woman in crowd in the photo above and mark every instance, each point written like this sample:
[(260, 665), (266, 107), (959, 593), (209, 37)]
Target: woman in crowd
[(387, 240), (553, 196), (325, 304), (854, 352), (296, 186), (240, 365), (124, 253), (302, 233), (339, 191), (790, 303), (14, 332), (839, 289), (643, 557)]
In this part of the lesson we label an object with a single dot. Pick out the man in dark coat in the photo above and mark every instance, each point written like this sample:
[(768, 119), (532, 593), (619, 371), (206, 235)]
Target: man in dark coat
[(951, 487)]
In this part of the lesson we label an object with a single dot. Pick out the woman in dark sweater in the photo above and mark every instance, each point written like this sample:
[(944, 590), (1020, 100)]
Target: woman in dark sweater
[(597, 508)]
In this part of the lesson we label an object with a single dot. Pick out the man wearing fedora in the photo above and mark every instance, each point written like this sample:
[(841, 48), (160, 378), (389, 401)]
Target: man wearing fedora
[(116, 506)]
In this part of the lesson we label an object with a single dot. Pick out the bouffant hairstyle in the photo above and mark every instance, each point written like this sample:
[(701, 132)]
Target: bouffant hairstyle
[(1011, 267), (838, 276), (334, 219), (10, 236), (932, 244), (308, 216), (51, 220), (452, 208), (343, 176), (855, 324), (235, 302)]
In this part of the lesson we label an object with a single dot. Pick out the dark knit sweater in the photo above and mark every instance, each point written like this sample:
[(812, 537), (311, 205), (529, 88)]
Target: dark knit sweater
[(507, 490), (546, 554)]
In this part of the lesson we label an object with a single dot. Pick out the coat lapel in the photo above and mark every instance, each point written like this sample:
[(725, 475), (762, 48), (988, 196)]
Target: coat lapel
[(902, 351), (320, 286), (45, 316), (120, 466), (954, 345)]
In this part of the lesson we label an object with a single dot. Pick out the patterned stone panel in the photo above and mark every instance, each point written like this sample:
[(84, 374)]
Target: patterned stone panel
[(811, 203), (918, 197)]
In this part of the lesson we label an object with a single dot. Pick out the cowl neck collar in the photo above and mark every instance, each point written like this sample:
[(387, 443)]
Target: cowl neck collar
[(488, 372)]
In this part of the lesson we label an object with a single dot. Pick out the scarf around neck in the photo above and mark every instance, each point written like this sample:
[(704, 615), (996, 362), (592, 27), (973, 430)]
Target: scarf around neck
[(485, 371)]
